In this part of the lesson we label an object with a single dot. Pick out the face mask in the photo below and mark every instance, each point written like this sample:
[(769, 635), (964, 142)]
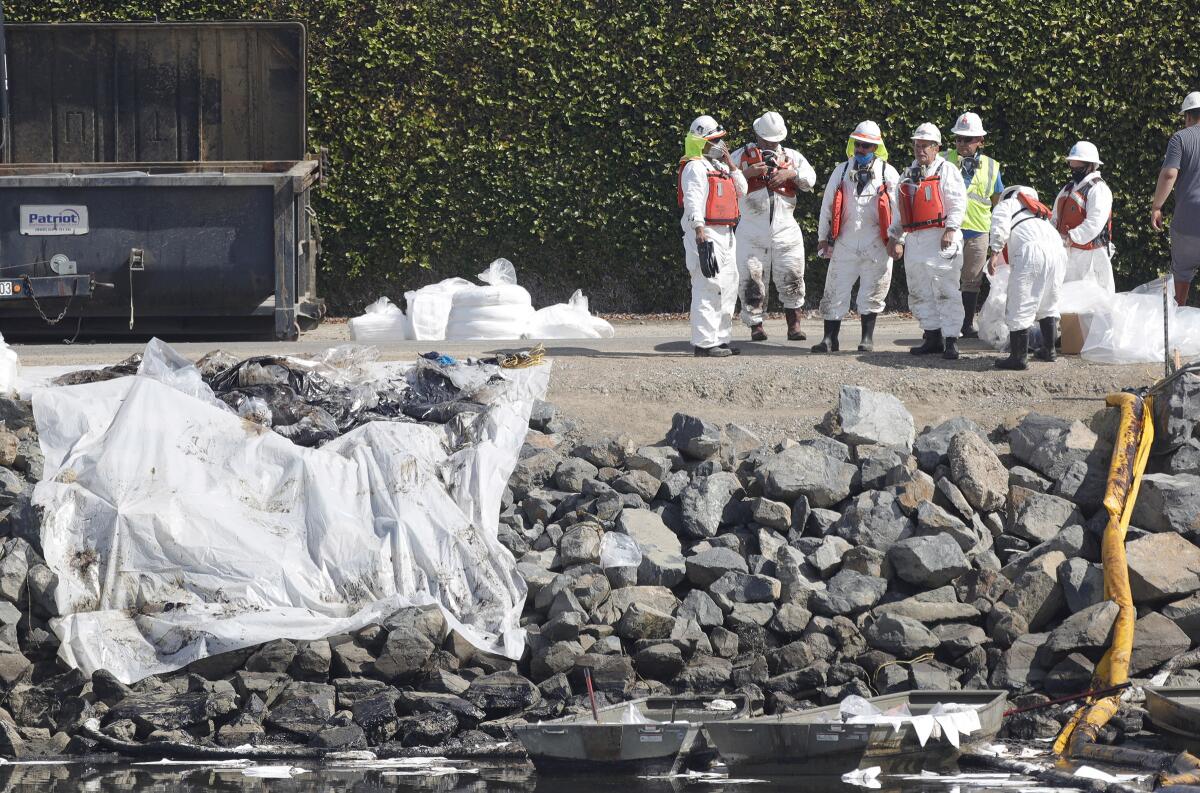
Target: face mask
[(717, 151), (1077, 174), (968, 165), (863, 160)]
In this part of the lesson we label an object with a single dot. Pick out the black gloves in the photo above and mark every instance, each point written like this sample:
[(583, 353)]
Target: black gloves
[(708, 258)]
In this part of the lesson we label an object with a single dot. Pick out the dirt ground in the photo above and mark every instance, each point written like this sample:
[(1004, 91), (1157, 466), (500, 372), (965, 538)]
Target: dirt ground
[(636, 381)]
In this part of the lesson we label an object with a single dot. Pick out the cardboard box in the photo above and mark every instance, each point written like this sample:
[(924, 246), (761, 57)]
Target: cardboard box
[(1073, 330)]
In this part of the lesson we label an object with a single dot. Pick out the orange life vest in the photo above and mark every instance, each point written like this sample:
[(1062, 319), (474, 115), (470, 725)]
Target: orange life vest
[(752, 155), (883, 206), (1072, 211), (921, 204), (721, 209)]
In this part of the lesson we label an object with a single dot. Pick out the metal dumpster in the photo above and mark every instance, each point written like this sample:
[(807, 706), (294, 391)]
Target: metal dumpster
[(155, 181)]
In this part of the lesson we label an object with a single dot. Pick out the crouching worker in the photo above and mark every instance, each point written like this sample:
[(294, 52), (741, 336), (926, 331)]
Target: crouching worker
[(1022, 233), (933, 200), (708, 191), (856, 213)]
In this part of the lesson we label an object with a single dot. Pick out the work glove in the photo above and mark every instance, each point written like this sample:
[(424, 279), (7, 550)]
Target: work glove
[(708, 259)]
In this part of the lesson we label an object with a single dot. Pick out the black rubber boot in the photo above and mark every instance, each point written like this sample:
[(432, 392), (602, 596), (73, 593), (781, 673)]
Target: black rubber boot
[(932, 343), (712, 352), (830, 342), (970, 303), (868, 333), (1049, 326), (758, 333), (950, 348), (1018, 351), (732, 350)]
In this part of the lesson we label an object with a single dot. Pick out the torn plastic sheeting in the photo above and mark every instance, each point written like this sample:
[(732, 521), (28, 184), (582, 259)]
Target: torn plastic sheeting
[(864, 777), (178, 530)]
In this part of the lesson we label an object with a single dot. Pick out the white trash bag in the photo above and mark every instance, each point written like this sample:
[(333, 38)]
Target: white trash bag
[(382, 321), (1131, 330), (992, 327), (619, 550), (10, 368), (499, 310), (429, 308), (570, 320)]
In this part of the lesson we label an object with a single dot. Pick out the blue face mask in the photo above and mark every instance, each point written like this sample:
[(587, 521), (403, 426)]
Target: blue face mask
[(863, 160)]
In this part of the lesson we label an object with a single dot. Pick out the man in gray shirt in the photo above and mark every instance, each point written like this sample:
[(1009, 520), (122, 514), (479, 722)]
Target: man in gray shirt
[(1181, 170)]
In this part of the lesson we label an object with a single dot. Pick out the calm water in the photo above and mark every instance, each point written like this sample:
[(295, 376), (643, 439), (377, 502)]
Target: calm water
[(468, 777)]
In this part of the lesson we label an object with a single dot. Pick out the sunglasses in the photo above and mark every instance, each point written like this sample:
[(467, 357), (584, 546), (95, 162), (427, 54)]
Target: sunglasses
[(858, 144), (961, 139)]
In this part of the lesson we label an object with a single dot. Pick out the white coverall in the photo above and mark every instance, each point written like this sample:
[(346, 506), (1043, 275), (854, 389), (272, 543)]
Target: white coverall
[(1038, 261), (769, 242), (933, 294), (859, 253), (1096, 263), (713, 299)]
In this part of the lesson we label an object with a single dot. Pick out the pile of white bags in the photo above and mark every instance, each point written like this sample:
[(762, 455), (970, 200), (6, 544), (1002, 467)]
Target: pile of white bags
[(458, 309), (381, 322), (499, 310)]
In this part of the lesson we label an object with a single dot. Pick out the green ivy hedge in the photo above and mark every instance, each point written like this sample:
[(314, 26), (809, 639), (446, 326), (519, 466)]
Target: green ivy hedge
[(549, 131)]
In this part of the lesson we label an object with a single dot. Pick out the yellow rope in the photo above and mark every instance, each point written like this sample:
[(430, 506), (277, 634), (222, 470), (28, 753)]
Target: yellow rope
[(523, 360)]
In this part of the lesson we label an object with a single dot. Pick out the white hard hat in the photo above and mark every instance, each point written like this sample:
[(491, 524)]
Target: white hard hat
[(867, 132), (928, 131), (707, 127), (1191, 102), (1085, 152), (969, 124), (770, 127)]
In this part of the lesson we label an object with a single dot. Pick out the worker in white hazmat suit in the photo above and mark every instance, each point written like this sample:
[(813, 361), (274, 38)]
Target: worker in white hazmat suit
[(1083, 216), (708, 191), (770, 246), (856, 213), (932, 200), (1023, 235)]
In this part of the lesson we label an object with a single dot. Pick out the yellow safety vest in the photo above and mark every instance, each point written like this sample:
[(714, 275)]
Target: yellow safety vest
[(979, 193)]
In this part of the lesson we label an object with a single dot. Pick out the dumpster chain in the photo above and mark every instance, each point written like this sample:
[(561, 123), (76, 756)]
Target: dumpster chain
[(38, 306)]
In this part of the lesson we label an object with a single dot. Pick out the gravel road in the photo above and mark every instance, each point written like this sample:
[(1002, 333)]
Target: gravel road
[(636, 381)]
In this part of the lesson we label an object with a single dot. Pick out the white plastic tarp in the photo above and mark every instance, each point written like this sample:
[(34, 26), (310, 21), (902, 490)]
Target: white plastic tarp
[(178, 530)]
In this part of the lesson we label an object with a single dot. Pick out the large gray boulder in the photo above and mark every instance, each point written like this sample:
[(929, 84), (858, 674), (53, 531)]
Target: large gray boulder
[(644, 622), (807, 471), (1037, 516), (875, 519), (580, 544), (847, 594), (931, 446), (1086, 629), (1186, 614), (866, 416), (1169, 503), (900, 636), (978, 472), (928, 561), (707, 566), (1018, 669), (1036, 594), (1082, 583), (694, 437), (1162, 567), (705, 501), (1049, 444), (1156, 640), (742, 588), (662, 559)]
